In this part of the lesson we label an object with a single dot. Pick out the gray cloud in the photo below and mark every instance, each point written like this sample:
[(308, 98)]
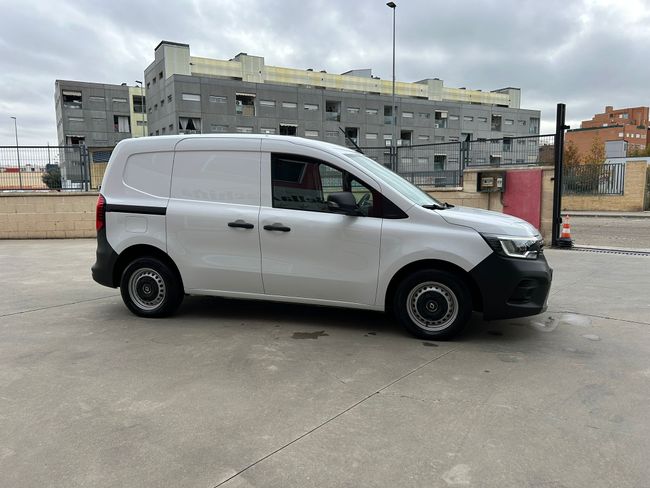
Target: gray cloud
[(585, 53)]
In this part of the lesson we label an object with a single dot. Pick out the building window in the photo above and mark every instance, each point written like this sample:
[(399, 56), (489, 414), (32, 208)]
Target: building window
[(96, 99), (424, 115), (388, 115), (139, 104), (482, 119), (406, 137), (267, 130), (245, 130), (190, 97), (171, 128), (311, 106), (169, 99), (423, 138), (371, 111), (496, 122), (245, 104), (331, 133), (217, 99), (440, 117), (160, 75), (288, 129), (311, 133), (509, 122), (454, 138), (121, 123), (71, 99), (454, 117), (189, 125), (218, 128), (119, 100), (153, 80), (534, 125), (439, 162), (162, 102), (439, 139), (155, 107), (289, 105), (267, 103), (423, 161), (468, 118), (371, 136), (140, 123), (407, 115), (333, 110), (352, 133), (353, 110), (147, 89), (522, 123), (75, 119), (163, 131)]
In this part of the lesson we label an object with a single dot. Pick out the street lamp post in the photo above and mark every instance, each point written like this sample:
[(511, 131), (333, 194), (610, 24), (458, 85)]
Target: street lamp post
[(138, 82), (393, 6), (20, 176)]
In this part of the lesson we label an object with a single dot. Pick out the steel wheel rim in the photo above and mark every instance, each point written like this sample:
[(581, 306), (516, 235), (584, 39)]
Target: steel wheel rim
[(147, 288), (432, 306)]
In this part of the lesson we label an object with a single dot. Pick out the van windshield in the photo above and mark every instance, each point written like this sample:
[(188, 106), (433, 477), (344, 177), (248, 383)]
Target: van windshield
[(395, 181)]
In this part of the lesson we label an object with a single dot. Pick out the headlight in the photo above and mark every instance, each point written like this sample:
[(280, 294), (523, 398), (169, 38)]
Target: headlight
[(515, 247)]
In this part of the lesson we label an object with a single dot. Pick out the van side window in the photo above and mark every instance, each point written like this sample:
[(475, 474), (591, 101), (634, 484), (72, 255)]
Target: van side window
[(304, 184)]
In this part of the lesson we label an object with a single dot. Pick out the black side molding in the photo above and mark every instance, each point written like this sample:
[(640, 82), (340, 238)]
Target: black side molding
[(136, 209)]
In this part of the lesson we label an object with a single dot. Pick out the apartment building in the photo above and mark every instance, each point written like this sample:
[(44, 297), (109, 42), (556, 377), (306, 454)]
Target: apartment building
[(189, 94), (628, 125), (98, 115)]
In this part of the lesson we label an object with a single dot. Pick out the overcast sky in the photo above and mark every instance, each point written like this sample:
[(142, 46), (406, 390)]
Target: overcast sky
[(584, 53)]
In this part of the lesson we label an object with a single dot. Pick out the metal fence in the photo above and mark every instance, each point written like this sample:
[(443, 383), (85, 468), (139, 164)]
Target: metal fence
[(594, 179), (442, 164), (44, 168), (435, 165)]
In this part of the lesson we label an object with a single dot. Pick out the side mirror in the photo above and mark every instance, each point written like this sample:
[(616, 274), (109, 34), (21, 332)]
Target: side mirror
[(343, 202)]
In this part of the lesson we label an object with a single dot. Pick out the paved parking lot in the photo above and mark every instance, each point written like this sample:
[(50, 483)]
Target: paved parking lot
[(251, 394)]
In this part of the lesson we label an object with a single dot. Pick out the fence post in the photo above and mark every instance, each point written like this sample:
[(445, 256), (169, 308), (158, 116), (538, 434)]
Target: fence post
[(560, 127), (85, 167)]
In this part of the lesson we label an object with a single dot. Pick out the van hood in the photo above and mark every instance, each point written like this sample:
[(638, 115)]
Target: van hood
[(486, 221)]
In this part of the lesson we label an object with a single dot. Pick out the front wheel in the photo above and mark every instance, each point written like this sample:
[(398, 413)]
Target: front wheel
[(432, 304), (150, 288)]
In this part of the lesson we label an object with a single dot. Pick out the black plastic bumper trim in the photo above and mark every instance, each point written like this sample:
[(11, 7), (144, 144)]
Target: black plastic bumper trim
[(136, 209), (104, 266), (498, 278)]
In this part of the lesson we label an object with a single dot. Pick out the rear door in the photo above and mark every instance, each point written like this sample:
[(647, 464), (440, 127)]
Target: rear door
[(212, 216), (307, 251)]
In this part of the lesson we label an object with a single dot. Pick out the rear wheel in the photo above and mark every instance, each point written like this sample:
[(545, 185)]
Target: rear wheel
[(150, 288), (433, 304)]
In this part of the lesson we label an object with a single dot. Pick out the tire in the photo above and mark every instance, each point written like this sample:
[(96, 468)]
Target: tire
[(150, 288), (433, 305)]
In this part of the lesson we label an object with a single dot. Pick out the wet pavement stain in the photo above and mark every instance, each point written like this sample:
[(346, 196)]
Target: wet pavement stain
[(309, 335), (591, 337), (509, 358), (430, 344)]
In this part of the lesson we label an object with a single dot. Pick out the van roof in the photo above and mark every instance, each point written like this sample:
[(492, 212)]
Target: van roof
[(166, 142)]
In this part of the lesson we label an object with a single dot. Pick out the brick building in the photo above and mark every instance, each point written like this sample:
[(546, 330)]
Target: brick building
[(625, 124)]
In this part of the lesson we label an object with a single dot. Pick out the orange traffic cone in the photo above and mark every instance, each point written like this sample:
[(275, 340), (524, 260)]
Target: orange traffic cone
[(565, 235)]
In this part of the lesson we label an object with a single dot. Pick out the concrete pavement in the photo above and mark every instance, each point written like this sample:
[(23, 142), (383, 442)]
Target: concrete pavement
[(243, 394)]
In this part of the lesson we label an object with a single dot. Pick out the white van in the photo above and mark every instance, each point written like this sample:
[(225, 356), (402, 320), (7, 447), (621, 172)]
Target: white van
[(295, 220)]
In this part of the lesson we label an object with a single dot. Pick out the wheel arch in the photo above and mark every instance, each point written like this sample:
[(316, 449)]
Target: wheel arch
[(399, 276), (141, 251)]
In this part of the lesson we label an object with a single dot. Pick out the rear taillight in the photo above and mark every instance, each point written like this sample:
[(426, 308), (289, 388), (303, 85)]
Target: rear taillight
[(100, 214)]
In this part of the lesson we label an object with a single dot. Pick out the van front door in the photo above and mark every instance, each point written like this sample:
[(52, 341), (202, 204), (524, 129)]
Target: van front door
[(307, 251), (212, 217)]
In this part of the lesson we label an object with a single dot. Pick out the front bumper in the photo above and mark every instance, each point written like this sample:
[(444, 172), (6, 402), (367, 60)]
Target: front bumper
[(512, 287)]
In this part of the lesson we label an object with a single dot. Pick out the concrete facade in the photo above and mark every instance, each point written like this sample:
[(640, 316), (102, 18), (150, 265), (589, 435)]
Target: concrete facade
[(96, 114), (198, 95)]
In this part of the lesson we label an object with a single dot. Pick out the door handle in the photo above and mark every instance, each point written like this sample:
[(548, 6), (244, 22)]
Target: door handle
[(240, 224), (277, 226)]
